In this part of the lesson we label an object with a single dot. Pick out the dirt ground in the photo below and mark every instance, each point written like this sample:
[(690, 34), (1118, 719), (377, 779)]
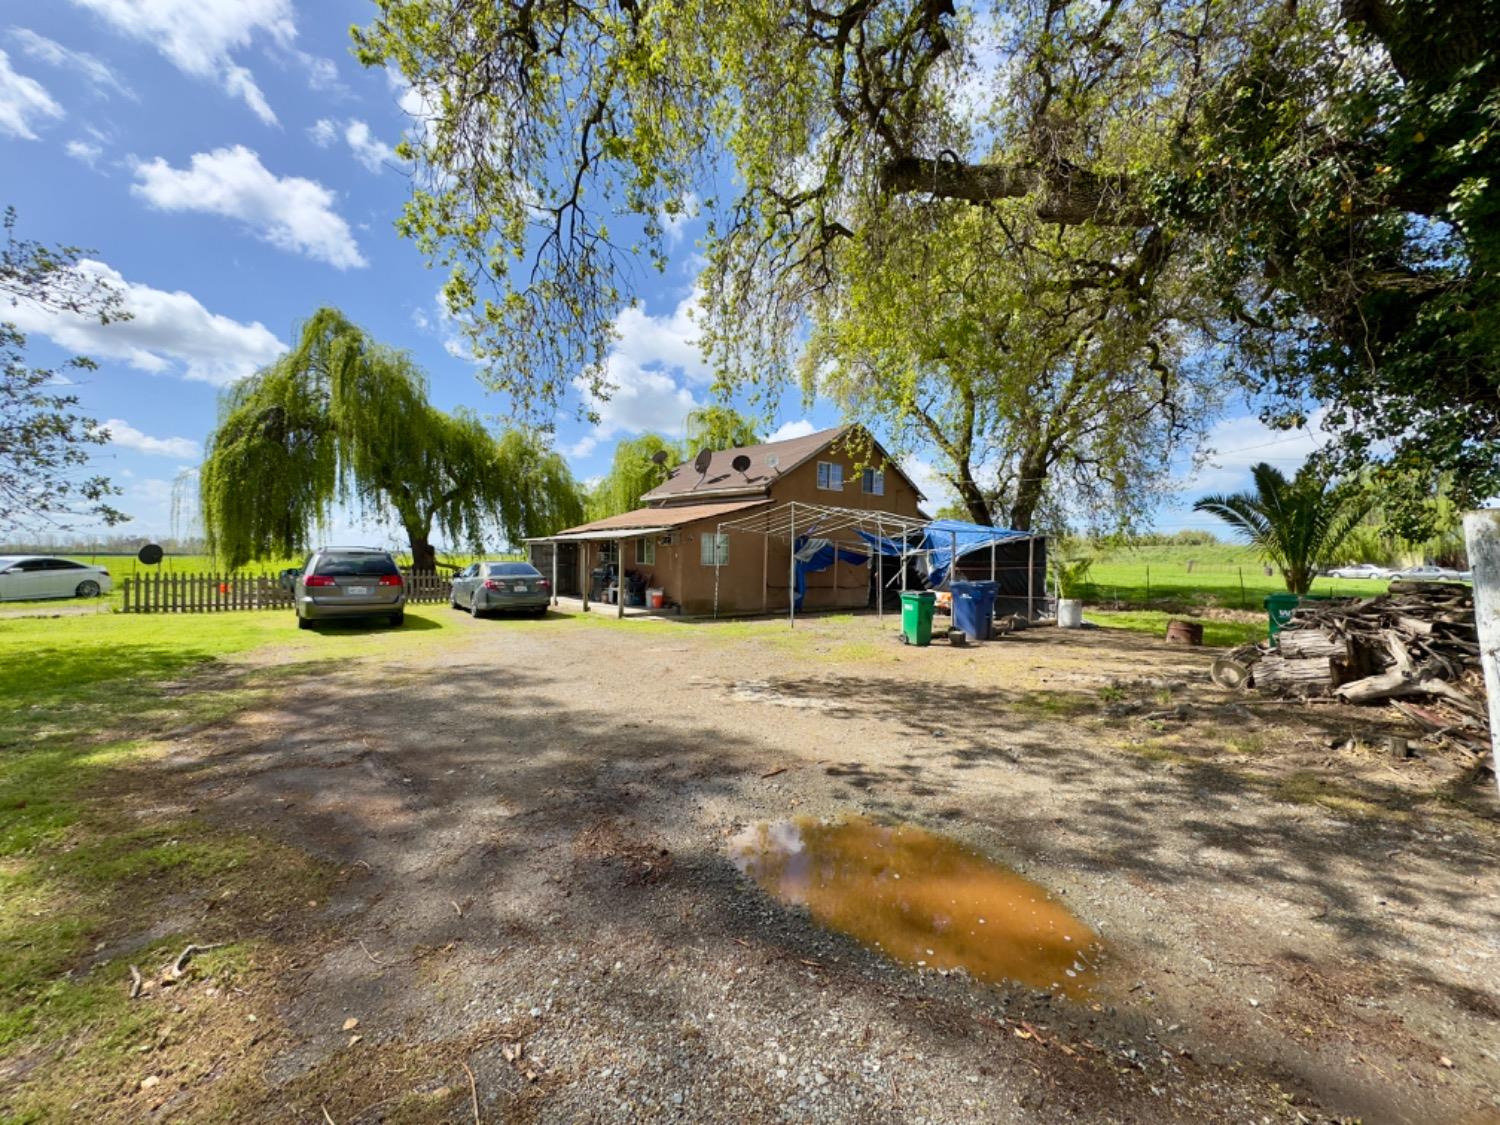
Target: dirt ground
[(531, 890)]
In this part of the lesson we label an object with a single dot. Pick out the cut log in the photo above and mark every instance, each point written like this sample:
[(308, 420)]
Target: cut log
[(1301, 644), (1277, 674), (1230, 673)]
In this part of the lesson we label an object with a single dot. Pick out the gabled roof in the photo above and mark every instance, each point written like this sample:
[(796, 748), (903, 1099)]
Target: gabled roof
[(722, 479)]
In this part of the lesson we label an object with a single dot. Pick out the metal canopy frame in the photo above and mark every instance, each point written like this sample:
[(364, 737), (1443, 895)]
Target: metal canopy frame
[(788, 520)]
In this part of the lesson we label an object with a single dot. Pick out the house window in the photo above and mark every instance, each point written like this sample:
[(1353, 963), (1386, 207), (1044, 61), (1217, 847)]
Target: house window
[(706, 552), (645, 551), (830, 476), (873, 483), (609, 552)]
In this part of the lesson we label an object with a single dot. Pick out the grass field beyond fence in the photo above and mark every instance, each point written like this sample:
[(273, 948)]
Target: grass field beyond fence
[(1226, 577)]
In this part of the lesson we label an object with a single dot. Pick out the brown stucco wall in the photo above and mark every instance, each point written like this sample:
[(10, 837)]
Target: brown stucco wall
[(756, 579)]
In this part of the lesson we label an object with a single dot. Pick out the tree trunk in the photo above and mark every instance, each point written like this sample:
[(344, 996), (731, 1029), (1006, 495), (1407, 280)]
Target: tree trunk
[(972, 497), (423, 556), (1030, 483)]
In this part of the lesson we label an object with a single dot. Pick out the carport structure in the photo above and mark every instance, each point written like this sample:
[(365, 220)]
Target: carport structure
[(827, 533)]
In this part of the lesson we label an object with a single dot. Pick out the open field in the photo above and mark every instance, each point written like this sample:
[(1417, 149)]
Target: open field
[(1224, 576), (501, 848)]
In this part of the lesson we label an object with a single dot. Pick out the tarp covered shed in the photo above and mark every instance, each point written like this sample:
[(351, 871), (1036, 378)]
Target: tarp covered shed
[(1015, 560)]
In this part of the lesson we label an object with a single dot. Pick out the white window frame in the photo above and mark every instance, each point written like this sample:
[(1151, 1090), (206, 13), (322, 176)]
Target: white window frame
[(872, 482), (706, 549), (830, 476), (645, 551)]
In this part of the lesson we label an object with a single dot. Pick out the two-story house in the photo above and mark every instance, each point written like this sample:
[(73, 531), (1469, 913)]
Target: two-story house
[(673, 538)]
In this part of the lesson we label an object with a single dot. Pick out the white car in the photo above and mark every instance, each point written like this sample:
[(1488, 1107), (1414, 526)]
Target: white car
[(1429, 574), (28, 577), (1360, 570)]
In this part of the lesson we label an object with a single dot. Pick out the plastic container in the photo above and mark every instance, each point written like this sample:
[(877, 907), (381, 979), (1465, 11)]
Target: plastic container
[(1279, 608), (916, 616), (1069, 613), (974, 608), (656, 597)]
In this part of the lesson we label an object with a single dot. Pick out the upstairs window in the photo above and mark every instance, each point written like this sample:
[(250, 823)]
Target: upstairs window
[(830, 476), (873, 483)]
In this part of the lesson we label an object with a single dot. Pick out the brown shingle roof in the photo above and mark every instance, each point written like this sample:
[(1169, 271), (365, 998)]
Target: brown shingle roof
[(675, 516), (721, 477)]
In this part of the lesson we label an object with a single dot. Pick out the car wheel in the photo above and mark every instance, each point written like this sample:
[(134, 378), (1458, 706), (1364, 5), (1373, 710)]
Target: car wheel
[(303, 623), (89, 589), (474, 610), (398, 619)]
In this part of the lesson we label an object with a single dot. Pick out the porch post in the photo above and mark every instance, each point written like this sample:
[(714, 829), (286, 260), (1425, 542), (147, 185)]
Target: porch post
[(765, 568), (791, 572), (1030, 574), (583, 577), (619, 578), (556, 546)]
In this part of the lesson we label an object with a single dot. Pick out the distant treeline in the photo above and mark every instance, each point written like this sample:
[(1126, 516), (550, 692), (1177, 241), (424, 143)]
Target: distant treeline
[(103, 545), (1185, 538)]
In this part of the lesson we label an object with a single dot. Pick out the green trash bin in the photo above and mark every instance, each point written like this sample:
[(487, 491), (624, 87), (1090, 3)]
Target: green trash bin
[(1279, 608), (916, 616)]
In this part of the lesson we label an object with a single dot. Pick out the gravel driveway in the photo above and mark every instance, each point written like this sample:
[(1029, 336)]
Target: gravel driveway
[(535, 891)]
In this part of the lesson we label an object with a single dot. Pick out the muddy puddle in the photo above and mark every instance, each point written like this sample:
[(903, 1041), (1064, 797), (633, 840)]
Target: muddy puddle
[(922, 899)]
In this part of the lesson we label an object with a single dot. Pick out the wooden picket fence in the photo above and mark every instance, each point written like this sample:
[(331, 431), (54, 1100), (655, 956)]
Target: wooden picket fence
[(219, 593)]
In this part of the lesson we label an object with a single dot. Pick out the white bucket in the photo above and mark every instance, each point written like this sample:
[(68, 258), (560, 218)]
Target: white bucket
[(1069, 613)]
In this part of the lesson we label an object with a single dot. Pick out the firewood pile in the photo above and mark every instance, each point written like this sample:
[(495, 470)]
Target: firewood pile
[(1415, 648)]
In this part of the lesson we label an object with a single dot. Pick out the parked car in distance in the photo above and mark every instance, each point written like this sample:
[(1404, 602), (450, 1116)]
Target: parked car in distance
[(24, 577), (491, 587), (1360, 570), (1429, 574), (343, 582)]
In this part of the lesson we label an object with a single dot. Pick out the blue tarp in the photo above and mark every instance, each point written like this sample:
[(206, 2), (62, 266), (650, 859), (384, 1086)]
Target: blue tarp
[(937, 541), (814, 555)]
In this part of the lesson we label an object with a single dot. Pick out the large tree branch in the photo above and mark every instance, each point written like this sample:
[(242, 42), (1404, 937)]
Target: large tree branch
[(1065, 194)]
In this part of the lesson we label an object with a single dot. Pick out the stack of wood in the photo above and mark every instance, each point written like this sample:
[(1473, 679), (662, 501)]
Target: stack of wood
[(1415, 647)]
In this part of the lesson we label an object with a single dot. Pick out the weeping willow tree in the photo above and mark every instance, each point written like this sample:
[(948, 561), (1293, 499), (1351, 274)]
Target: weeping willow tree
[(717, 427), (342, 419)]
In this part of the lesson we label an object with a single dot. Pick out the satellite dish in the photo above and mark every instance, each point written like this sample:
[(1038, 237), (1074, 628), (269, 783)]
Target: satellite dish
[(701, 462), (772, 461), (659, 457), (740, 463), (150, 554)]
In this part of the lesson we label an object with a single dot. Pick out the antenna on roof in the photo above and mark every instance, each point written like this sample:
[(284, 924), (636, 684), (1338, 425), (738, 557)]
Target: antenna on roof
[(740, 464), (659, 457), (772, 460), (701, 463)]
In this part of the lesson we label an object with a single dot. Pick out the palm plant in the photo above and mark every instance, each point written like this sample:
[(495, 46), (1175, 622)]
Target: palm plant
[(1299, 524)]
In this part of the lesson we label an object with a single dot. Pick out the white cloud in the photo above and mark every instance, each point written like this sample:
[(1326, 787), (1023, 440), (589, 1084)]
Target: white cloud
[(322, 74), (663, 341), (85, 151), (24, 103), (168, 332), (199, 36), (641, 400), (672, 225), (788, 430), (583, 446), (80, 63), (323, 132), (289, 212), (1236, 444), (123, 434), (929, 481), (374, 154)]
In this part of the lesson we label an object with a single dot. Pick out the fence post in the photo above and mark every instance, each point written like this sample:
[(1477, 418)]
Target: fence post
[(1482, 537), (1148, 583), (1242, 588)]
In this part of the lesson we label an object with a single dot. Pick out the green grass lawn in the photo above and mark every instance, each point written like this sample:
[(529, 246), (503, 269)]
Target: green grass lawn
[(92, 848), (1225, 576)]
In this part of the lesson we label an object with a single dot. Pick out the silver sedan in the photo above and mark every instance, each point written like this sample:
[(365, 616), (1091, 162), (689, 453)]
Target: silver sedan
[(490, 587)]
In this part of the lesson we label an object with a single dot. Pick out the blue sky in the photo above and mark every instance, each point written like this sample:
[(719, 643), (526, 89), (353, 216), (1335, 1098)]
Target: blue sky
[(230, 164)]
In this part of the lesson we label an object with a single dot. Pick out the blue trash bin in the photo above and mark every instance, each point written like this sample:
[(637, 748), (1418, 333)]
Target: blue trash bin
[(974, 608)]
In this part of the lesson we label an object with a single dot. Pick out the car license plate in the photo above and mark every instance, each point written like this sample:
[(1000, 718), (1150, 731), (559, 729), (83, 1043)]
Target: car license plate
[(358, 589), (521, 587)]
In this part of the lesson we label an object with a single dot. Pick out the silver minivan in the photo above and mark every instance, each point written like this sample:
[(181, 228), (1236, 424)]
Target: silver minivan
[(349, 582)]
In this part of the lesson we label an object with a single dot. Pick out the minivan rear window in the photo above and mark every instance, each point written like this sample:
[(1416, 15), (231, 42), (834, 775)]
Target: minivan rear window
[(356, 566)]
